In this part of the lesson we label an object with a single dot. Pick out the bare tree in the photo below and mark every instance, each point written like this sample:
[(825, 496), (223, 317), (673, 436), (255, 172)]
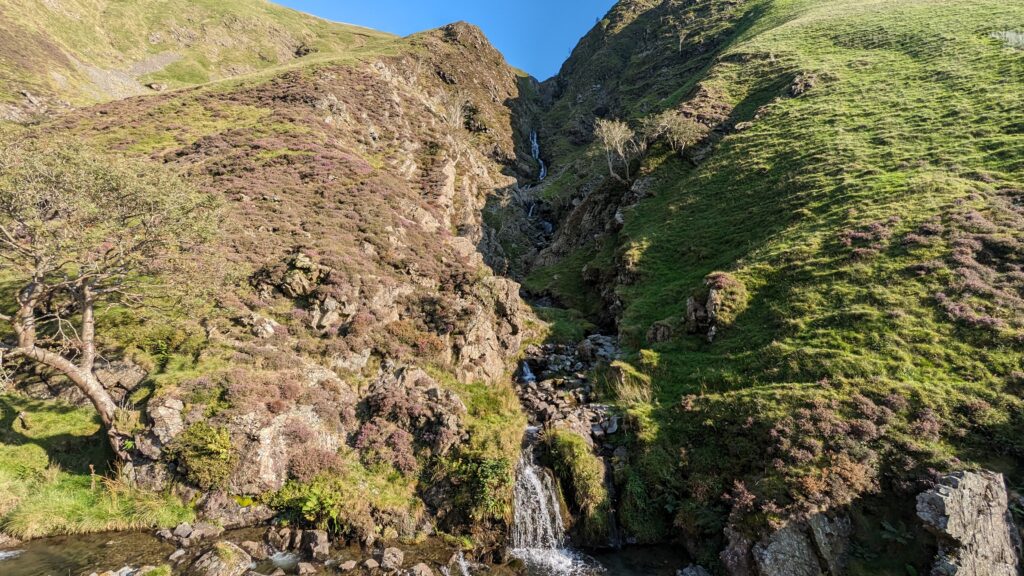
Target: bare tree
[(618, 140), (679, 131), (78, 232)]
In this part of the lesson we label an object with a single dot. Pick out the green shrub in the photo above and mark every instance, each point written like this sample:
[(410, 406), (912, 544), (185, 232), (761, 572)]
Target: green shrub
[(484, 486), (204, 455)]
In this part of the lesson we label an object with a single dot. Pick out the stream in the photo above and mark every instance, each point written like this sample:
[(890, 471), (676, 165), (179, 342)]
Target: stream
[(555, 392)]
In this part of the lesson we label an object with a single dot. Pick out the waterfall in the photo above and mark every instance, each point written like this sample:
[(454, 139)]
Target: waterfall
[(538, 521), (535, 152), (538, 534), (526, 375)]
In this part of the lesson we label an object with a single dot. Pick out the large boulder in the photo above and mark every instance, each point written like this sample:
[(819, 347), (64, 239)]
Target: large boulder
[(968, 512), (788, 552), (831, 535), (221, 559), (316, 544), (392, 559)]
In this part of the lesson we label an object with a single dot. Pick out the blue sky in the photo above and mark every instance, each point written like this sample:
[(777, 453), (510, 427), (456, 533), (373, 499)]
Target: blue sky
[(534, 35)]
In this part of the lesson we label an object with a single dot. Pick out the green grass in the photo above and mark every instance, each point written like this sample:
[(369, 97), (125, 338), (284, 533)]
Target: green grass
[(581, 475), (916, 112), (120, 34), (565, 325), (45, 483)]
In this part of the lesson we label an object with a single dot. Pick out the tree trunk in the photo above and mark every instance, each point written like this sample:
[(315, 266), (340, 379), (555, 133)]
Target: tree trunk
[(93, 390)]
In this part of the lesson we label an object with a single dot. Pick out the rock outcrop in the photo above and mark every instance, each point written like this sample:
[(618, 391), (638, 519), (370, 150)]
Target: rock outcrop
[(788, 552), (222, 559), (968, 512), (812, 548)]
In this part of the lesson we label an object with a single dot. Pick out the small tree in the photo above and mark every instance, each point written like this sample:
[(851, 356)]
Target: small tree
[(679, 131), (617, 138), (77, 232)]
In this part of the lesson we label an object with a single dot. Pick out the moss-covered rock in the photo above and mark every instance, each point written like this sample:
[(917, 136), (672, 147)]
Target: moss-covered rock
[(580, 474)]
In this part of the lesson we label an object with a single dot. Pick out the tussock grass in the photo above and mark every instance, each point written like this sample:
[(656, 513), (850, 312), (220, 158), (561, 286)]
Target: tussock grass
[(45, 484)]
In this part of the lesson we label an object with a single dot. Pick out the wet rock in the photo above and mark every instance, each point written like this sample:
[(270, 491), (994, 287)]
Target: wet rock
[(177, 556), (316, 544), (968, 512), (205, 531), (257, 550), (788, 552), (598, 348), (832, 538), (277, 539), (392, 559), (221, 559)]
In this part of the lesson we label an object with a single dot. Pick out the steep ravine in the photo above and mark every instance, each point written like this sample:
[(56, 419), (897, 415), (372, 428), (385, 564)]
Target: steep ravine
[(790, 347)]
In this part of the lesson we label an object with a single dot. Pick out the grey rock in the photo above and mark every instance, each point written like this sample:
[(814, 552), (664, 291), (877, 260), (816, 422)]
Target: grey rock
[(306, 569), (832, 538), (421, 569), (788, 552), (371, 564), (277, 539), (968, 512), (183, 530), (177, 555), (392, 559), (221, 559), (693, 570), (257, 550), (205, 531), (348, 566), (262, 327), (316, 544), (165, 413)]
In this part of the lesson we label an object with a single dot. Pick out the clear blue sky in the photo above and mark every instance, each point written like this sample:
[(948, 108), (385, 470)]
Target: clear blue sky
[(534, 35)]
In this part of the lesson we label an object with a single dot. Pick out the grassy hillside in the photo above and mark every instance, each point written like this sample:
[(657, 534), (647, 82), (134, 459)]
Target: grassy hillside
[(93, 50), (862, 178)]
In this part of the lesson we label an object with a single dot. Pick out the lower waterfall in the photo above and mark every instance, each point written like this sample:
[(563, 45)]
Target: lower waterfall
[(538, 533)]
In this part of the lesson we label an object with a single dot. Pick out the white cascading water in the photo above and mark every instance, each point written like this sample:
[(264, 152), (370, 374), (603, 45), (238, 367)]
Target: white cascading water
[(538, 534), (535, 152), (538, 522)]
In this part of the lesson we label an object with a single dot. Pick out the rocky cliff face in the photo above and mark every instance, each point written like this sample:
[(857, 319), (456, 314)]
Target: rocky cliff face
[(343, 306), (969, 513)]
